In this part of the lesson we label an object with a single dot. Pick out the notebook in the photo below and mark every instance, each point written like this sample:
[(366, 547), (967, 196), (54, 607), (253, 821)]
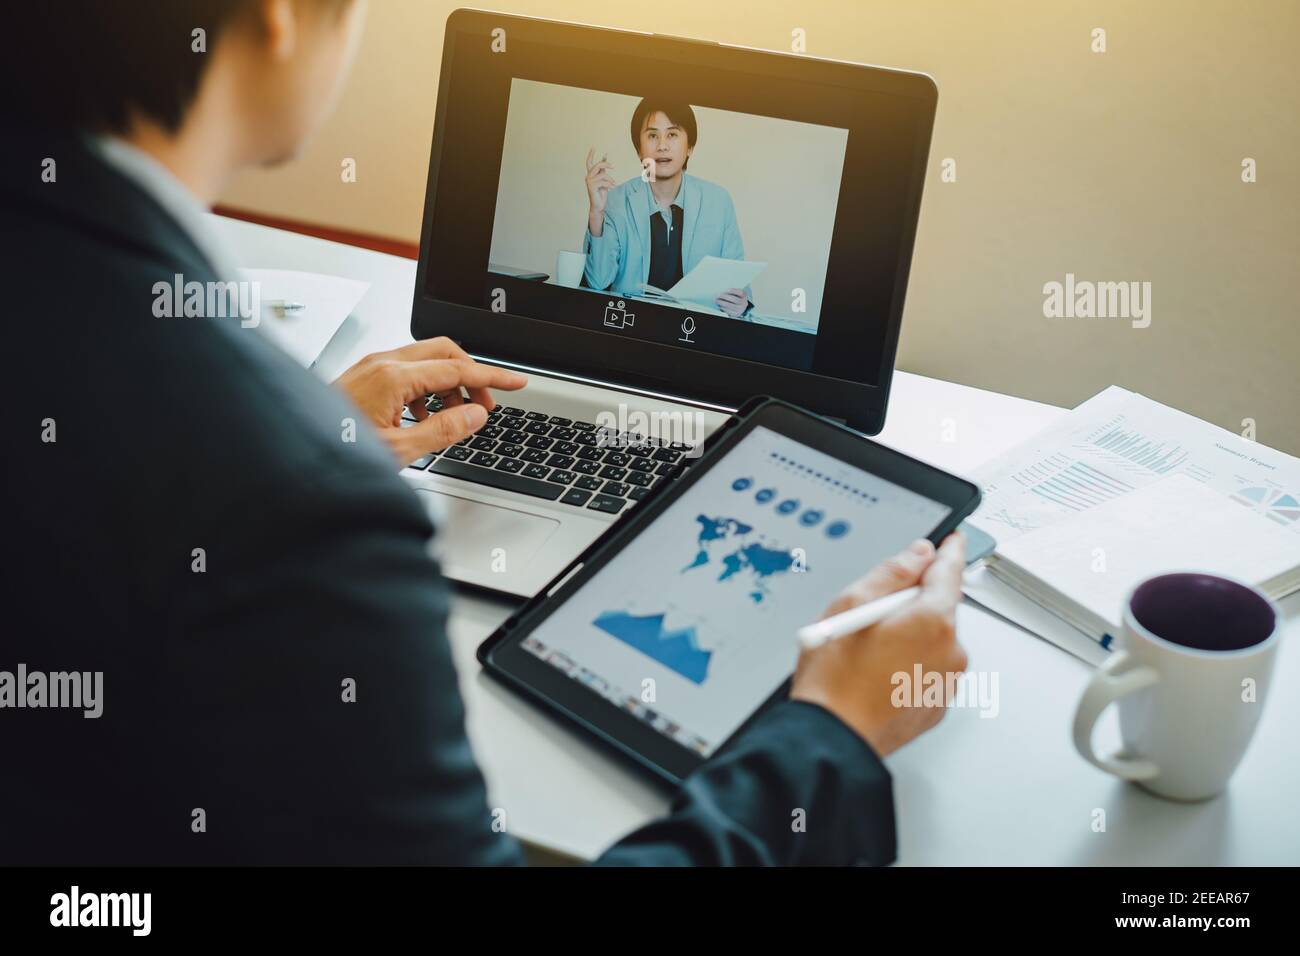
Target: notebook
[(1082, 568), (1118, 490)]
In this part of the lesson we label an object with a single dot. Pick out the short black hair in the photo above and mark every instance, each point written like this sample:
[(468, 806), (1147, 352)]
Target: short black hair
[(93, 64), (677, 111)]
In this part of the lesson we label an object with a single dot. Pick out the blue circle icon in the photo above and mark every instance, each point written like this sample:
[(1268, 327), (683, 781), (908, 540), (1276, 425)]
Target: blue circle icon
[(810, 517), (765, 495), (740, 484), (787, 506), (837, 529)]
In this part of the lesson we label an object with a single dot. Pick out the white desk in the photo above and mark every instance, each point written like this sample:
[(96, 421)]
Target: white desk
[(1007, 790)]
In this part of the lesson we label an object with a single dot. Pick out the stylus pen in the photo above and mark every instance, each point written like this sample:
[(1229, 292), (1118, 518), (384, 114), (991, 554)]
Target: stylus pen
[(854, 619), (280, 305)]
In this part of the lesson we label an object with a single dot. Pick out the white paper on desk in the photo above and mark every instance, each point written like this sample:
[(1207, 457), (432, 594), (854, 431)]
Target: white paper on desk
[(713, 276), (1119, 441), (329, 301), (1110, 446)]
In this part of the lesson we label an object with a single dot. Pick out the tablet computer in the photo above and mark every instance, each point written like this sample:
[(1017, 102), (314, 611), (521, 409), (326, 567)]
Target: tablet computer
[(677, 628)]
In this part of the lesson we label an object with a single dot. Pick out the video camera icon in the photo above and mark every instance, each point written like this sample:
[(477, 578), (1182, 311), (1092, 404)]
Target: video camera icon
[(617, 316)]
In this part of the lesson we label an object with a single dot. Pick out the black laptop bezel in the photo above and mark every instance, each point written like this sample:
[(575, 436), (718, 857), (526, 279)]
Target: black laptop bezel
[(578, 705), (696, 376)]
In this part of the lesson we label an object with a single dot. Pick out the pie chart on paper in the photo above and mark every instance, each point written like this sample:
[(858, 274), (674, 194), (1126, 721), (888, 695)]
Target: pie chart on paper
[(1274, 503)]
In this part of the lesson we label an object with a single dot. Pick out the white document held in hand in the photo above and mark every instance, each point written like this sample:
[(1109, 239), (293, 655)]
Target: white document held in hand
[(713, 276)]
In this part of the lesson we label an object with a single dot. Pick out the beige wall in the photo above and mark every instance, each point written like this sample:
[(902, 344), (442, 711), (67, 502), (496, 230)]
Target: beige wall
[(1124, 165)]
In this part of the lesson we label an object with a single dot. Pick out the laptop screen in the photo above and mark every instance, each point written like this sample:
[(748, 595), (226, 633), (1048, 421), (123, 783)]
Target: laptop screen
[(687, 202)]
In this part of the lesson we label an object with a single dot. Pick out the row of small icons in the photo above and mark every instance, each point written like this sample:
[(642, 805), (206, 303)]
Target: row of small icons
[(617, 317)]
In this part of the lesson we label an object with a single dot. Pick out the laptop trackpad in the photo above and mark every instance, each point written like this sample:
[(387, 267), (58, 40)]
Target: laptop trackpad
[(476, 539)]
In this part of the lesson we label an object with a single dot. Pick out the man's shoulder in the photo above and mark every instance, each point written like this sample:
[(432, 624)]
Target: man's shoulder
[(205, 398), (710, 192), (268, 426), (626, 192), (199, 406)]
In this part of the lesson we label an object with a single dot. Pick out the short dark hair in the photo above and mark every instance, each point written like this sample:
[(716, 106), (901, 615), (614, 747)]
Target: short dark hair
[(677, 111), (89, 64)]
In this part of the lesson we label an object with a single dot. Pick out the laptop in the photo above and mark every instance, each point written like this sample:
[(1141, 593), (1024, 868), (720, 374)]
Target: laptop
[(655, 229)]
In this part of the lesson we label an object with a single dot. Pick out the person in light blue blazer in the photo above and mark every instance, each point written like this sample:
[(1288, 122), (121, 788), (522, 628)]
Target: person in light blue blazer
[(656, 227)]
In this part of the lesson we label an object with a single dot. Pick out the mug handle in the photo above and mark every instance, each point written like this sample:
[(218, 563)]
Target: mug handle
[(1111, 682)]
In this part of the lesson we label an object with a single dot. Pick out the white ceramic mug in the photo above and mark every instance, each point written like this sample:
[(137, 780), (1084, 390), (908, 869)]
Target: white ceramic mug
[(568, 268), (1190, 678)]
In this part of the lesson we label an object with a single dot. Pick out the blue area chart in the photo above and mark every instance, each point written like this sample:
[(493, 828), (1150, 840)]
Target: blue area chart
[(734, 550), (677, 650)]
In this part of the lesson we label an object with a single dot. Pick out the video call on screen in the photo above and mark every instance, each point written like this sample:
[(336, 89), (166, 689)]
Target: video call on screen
[(773, 235)]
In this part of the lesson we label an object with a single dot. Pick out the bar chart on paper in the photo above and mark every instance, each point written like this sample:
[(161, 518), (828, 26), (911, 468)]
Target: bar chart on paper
[(1118, 442), (1070, 483), (1159, 456)]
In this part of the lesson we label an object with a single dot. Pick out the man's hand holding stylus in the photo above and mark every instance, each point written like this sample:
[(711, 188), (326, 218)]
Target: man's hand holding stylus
[(853, 677)]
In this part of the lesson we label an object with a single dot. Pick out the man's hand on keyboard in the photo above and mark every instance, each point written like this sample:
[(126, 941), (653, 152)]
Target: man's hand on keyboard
[(385, 384)]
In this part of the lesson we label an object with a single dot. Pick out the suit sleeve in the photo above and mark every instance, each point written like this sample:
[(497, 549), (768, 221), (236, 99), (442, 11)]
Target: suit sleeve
[(798, 787), (603, 255), (328, 724)]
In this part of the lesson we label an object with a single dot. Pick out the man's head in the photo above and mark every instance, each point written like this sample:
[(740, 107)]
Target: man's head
[(259, 74), (665, 132)]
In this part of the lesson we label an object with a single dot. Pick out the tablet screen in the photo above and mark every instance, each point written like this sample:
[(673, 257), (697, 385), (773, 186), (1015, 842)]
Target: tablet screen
[(692, 624)]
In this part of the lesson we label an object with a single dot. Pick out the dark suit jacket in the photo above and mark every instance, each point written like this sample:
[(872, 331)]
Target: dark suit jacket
[(223, 687)]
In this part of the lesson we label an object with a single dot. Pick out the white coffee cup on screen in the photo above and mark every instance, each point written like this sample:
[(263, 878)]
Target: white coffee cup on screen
[(568, 268), (1190, 678)]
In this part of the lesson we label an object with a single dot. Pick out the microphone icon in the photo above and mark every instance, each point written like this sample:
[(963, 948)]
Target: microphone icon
[(688, 327)]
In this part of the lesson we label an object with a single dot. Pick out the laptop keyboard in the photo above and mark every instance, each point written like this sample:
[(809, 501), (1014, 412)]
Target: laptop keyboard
[(548, 456)]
